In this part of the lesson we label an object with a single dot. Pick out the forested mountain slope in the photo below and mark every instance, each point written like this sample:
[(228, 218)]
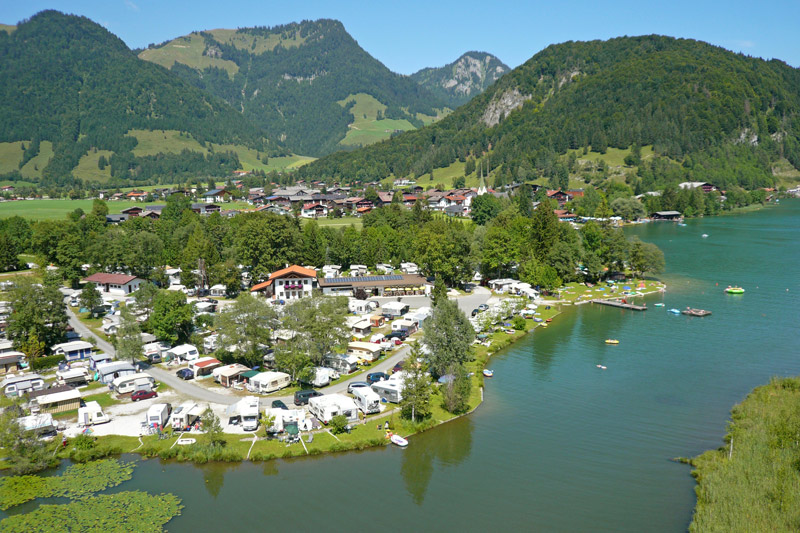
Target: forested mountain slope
[(723, 116), (298, 82), (458, 82), (66, 80)]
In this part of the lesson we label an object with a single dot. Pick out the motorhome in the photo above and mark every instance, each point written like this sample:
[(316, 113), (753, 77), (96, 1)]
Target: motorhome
[(389, 390), (330, 405), (133, 382), (249, 411), (367, 400), (281, 417), (92, 414), (75, 377), (322, 376), (361, 307), (21, 383), (158, 414), (266, 382), (154, 351)]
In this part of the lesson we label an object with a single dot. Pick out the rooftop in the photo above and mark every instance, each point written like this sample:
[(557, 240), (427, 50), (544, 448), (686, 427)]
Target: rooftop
[(114, 279)]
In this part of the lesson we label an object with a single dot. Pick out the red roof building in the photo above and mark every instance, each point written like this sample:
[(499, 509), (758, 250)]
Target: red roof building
[(288, 283), (119, 284)]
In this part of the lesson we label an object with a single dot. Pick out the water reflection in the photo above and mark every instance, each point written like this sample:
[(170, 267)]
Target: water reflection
[(214, 476), (450, 445)]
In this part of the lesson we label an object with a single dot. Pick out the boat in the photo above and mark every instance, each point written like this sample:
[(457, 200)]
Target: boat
[(601, 367), (398, 440), (734, 290), (659, 304), (695, 312), (704, 235), (185, 442), (612, 341), (681, 224), (549, 320), (488, 373), (674, 311)]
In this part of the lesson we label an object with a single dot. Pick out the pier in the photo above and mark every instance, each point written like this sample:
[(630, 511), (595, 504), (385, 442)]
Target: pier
[(617, 303)]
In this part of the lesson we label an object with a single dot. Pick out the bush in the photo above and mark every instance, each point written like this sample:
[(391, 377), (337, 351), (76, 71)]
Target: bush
[(518, 323), (49, 361), (338, 424)]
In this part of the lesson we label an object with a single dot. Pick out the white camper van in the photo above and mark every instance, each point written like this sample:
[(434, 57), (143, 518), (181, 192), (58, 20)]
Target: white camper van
[(92, 414), (367, 400), (389, 390), (249, 411), (158, 414), (186, 352)]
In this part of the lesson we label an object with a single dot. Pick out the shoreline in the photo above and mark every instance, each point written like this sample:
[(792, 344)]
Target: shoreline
[(365, 433)]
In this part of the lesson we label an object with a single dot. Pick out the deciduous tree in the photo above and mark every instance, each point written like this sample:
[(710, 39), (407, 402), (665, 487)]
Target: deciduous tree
[(449, 336)]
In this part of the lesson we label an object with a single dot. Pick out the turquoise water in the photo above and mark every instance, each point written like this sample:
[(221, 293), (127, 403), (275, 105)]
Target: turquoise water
[(558, 445)]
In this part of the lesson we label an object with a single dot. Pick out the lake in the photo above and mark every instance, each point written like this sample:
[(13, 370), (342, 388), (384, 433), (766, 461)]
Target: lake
[(559, 444)]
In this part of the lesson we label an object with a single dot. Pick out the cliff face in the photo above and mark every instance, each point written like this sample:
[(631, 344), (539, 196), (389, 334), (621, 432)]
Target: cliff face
[(459, 81)]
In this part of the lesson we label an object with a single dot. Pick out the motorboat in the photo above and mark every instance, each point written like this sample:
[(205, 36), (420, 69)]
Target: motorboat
[(674, 311), (659, 304), (704, 235), (734, 290), (488, 373), (185, 442), (695, 312), (398, 440), (612, 341)]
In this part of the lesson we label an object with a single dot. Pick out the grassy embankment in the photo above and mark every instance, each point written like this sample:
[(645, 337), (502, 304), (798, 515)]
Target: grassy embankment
[(752, 483)]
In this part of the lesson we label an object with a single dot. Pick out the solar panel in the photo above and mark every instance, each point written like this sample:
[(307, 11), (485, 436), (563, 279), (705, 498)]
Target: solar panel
[(369, 279)]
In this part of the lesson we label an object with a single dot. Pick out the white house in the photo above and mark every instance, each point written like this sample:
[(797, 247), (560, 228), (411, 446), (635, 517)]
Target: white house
[(115, 284), (314, 210), (409, 268), (73, 351), (289, 283)]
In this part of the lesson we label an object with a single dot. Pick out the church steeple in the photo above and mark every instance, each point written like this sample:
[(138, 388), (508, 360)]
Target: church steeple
[(482, 186)]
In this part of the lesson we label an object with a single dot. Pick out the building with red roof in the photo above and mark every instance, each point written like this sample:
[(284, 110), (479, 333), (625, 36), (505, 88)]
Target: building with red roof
[(117, 284), (289, 283)]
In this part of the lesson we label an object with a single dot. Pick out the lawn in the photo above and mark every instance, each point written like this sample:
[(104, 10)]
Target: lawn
[(10, 156), (189, 51), (87, 166), (336, 222), (366, 128)]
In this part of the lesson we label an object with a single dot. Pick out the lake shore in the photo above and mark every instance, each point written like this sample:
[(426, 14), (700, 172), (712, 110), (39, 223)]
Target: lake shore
[(370, 432)]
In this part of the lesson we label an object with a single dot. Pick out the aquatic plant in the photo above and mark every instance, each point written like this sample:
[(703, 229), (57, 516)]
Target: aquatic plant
[(124, 511)]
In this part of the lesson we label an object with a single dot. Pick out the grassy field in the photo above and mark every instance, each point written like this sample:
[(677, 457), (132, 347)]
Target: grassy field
[(33, 168), (87, 167), (752, 483), (189, 51), (366, 128), (10, 156), (58, 209), (336, 222)]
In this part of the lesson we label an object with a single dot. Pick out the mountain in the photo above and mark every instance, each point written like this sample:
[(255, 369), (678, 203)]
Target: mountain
[(707, 113), (70, 88), (309, 84), (458, 82)]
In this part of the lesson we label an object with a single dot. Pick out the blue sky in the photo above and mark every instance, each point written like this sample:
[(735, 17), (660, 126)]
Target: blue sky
[(410, 35)]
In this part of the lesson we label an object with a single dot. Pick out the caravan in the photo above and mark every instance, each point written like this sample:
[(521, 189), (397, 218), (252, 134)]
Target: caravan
[(185, 415), (158, 414), (185, 352), (76, 377), (266, 382), (133, 382), (92, 414), (326, 407), (389, 390), (367, 400)]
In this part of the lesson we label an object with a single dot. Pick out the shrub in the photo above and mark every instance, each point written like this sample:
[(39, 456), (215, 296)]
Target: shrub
[(50, 361), (518, 323), (338, 424)]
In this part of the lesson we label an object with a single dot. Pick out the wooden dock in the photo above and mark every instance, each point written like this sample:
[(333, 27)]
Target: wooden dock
[(617, 303)]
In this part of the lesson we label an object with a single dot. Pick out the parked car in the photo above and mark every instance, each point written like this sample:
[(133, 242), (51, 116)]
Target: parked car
[(301, 397), (185, 373), (483, 307), (143, 395), (277, 404), (398, 367), (475, 312), (375, 377), (356, 385), (397, 335)]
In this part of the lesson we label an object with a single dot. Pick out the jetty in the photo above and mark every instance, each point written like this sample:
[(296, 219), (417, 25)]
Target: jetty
[(618, 303)]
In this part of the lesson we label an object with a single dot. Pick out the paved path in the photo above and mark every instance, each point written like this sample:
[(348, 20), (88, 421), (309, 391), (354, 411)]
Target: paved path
[(466, 303), (191, 390)]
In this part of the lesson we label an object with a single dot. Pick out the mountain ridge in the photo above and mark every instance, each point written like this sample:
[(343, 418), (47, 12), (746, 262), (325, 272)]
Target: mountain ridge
[(459, 81)]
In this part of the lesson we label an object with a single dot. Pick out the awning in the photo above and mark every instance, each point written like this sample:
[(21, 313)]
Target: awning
[(249, 374)]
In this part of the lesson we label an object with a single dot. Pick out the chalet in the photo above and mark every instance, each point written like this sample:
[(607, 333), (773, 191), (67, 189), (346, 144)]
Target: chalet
[(289, 283), (205, 209), (564, 215), (134, 211), (361, 211), (139, 196), (217, 195), (455, 210), (410, 199), (117, 284), (706, 187), (385, 197), (559, 196), (314, 210)]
